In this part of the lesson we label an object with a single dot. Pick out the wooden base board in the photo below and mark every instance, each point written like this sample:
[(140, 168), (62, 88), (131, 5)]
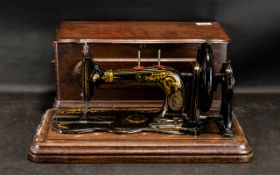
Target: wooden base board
[(49, 146)]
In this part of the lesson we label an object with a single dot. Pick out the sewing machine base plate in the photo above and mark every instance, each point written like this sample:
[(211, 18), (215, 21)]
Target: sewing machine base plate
[(68, 121), (142, 147)]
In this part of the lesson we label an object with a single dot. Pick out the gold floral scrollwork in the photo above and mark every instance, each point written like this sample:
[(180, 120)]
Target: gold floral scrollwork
[(167, 80), (70, 111), (108, 76), (95, 77), (138, 76)]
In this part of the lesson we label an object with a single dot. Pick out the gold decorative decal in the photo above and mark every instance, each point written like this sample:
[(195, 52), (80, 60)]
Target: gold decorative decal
[(167, 79), (70, 111), (175, 101), (73, 111), (62, 126), (95, 77), (108, 76), (136, 119)]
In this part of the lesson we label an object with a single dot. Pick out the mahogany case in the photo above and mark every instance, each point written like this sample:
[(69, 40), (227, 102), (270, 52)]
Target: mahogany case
[(114, 45)]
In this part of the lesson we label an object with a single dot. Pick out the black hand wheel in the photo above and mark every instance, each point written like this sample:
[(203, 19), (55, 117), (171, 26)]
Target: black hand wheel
[(227, 95), (206, 85), (192, 98)]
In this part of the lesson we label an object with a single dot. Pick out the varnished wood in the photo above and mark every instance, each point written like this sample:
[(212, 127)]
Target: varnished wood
[(99, 147), (140, 32)]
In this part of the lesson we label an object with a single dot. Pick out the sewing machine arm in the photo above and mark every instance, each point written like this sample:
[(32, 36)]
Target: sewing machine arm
[(188, 93)]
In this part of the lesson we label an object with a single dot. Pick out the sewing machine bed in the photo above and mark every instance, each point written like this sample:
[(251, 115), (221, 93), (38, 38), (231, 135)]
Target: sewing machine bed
[(141, 147)]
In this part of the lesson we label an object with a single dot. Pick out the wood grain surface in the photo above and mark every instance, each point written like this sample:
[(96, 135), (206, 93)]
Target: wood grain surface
[(49, 146), (140, 32)]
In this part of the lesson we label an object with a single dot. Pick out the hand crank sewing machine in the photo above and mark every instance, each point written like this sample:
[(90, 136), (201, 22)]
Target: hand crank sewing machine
[(187, 94), (141, 92)]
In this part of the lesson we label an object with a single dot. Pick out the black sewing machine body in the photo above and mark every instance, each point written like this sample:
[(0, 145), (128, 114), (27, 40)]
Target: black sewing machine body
[(187, 94)]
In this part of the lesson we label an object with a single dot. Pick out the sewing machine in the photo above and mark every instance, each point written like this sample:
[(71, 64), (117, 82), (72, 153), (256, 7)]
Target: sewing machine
[(187, 94), (140, 91)]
